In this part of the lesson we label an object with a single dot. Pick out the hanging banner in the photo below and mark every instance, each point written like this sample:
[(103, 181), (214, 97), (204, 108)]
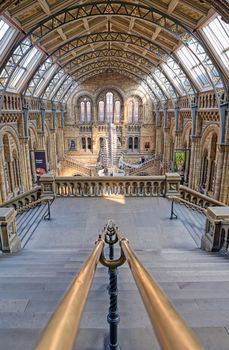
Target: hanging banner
[(179, 161), (40, 164)]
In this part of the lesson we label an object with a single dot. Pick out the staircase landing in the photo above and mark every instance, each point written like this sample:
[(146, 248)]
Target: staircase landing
[(32, 281)]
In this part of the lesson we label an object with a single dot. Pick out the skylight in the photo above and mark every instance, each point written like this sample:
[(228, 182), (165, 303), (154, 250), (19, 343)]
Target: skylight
[(194, 66), (24, 67), (217, 34)]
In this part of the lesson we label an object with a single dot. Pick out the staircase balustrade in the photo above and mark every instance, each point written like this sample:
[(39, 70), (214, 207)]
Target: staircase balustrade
[(23, 199), (198, 198)]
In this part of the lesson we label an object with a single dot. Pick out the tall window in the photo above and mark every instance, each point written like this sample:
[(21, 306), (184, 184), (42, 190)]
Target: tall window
[(109, 107), (133, 110), (130, 111), (88, 111), (217, 33), (85, 111), (136, 110), (101, 111), (117, 112), (82, 112)]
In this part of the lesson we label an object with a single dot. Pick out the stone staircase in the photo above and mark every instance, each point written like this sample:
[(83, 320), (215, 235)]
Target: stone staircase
[(35, 279), (78, 167), (28, 221), (150, 167)]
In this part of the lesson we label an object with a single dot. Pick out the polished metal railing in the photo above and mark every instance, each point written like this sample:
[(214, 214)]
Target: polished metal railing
[(62, 328), (170, 329)]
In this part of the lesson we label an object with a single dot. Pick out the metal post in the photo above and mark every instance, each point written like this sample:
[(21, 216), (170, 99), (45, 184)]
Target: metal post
[(48, 214), (172, 214), (113, 316)]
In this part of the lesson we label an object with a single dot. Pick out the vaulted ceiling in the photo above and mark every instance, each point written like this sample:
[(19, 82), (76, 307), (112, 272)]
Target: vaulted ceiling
[(86, 37)]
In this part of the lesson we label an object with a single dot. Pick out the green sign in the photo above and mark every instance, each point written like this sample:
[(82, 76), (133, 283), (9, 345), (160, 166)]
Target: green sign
[(179, 161)]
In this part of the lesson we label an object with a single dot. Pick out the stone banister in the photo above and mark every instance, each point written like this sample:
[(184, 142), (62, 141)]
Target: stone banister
[(128, 186), (23, 199), (198, 198)]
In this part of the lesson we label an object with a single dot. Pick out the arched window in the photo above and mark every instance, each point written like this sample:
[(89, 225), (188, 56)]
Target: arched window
[(83, 143), (133, 110), (109, 107), (89, 143), (136, 143), (82, 112), (85, 106), (88, 111), (130, 111), (130, 143), (101, 111), (117, 112), (136, 110)]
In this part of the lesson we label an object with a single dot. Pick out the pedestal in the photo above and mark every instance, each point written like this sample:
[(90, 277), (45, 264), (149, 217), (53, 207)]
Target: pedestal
[(9, 239), (216, 233)]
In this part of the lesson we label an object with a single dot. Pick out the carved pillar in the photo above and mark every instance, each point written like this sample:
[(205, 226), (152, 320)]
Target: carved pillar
[(25, 164), (195, 163), (222, 171), (3, 195), (158, 132), (224, 192), (53, 150), (41, 131), (24, 147), (33, 167)]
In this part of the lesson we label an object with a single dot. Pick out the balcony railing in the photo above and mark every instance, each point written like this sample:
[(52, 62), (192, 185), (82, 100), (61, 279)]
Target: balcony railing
[(128, 186)]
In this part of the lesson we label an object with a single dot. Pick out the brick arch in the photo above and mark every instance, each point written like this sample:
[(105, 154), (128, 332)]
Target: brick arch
[(7, 129)]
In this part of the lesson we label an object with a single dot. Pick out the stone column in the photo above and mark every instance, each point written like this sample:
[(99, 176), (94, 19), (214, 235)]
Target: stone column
[(166, 153), (33, 167), (41, 131), (224, 192), (25, 165), (2, 175), (187, 165), (219, 171), (195, 163), (24, 148)]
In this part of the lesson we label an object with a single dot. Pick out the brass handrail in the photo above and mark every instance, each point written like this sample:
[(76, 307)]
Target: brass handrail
[(171, 330), (62, 328)]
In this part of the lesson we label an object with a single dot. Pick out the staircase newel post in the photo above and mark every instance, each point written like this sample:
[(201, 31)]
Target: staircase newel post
[(113, 317)]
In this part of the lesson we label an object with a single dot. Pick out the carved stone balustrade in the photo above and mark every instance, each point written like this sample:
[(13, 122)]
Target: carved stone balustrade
[(198, 198), (9, 239), (128, 186), (23, 199), (216, 235)]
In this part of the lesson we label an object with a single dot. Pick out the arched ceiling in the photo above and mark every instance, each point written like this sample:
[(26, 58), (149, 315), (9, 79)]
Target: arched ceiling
[(85, 38)]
